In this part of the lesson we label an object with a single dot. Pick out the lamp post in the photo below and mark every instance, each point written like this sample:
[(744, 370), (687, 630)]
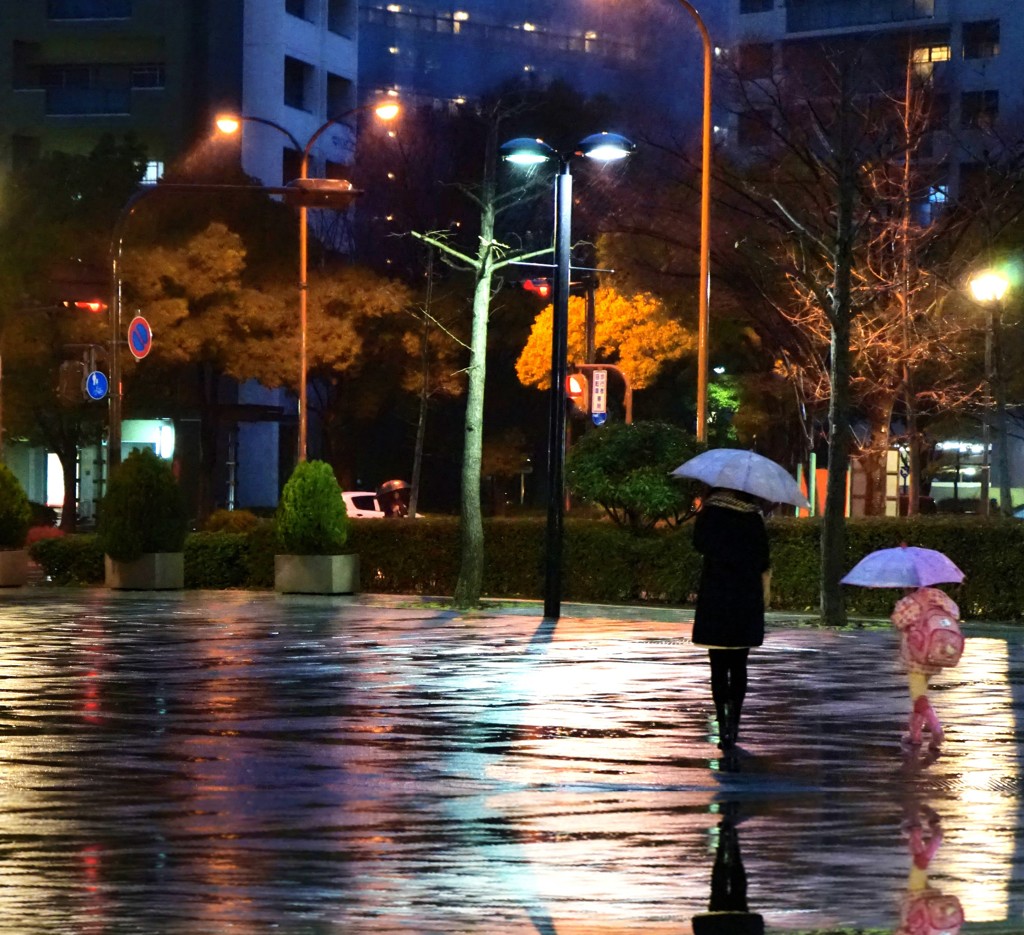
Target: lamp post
[(604, 147), (988, 289), (705, 231), (309, 193)]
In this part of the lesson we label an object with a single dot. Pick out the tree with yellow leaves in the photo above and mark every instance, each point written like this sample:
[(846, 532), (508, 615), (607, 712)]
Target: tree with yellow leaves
[(635, 332)]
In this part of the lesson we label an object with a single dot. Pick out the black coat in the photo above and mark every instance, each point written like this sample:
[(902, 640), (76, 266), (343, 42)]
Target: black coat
[(730, 600)]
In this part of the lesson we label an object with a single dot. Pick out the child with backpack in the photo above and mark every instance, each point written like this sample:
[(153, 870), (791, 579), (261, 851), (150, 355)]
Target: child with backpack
[(931, 640)]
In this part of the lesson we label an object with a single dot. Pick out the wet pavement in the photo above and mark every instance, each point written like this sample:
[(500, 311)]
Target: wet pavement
[(243, 762)]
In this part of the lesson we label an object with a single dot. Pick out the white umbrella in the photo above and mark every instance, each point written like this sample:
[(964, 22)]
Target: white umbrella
[(904, 567), (744, 470)]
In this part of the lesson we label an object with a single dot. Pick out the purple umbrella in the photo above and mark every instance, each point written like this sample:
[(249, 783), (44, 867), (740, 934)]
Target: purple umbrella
[(904, 567)]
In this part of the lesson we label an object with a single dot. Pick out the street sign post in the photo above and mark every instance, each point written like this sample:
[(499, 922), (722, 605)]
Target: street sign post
[(96, 385), (599, 394), (140, 337)]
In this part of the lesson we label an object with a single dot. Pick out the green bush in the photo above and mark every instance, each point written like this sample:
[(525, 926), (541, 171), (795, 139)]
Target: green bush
[(311, 517), (15, 512), (143, 510), (231, 521), (625, 469), (74, 559), (216, 560)]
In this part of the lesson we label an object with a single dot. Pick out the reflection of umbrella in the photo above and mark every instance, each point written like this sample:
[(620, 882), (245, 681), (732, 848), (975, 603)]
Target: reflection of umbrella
[(746, 471), (904, 567)]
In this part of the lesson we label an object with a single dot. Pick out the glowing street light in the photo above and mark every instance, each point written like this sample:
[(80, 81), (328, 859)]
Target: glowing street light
[(988, 288), (309, 193), (527, 152), (705, 230)]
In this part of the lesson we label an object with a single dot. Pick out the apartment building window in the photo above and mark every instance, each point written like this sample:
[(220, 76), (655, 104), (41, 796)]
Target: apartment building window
[(341, 17), (756, 6), (148, 76), (979, 109), (340, 95), (296, 8), (755, 60), (298, 80), (981, 39), (291, 165), (154, 171), (88, 9), (924, 57)]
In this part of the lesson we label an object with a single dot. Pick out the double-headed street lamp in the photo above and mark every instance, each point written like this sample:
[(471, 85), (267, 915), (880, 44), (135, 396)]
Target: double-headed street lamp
[(988, 289), (604, 147), (309, 193)]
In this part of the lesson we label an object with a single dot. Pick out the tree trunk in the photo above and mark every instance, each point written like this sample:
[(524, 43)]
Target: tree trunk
[(68, 456), (833, 529), (421, 422), (471, 569), (875, 457), (208, 421)]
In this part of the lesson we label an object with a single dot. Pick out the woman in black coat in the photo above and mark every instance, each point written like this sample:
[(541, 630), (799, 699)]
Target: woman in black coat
[(730, 533)]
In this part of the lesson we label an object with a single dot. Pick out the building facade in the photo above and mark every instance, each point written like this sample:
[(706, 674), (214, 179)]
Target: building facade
[(161, 71), (645, 54), (966, 50)]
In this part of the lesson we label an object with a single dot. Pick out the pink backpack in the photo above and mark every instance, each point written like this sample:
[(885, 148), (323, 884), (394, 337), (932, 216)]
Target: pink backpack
[(928, 620)]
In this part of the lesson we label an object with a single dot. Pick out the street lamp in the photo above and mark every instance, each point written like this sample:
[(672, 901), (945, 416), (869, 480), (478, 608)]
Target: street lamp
[(526, 152), (988, 289), (309, 193), (705, 231)]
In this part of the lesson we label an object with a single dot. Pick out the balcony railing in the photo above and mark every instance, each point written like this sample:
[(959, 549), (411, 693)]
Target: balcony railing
[(812, 15), (89, 9), (76, 102)]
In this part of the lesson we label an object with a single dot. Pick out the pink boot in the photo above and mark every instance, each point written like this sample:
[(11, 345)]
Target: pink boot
[(923, 715)]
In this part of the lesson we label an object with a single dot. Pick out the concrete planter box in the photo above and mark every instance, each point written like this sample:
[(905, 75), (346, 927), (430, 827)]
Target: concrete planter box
[(13, 567), (316, 574), (154, 571)]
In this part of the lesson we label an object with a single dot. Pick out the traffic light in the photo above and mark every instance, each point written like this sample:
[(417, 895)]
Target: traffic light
[(578, 392), (541, 287), (86, 305)]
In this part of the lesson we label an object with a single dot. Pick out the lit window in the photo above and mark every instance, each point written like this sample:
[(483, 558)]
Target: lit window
[(393, 50), (527, 68), (391, 175), (529, 27), (460, 16), (154, 172), (591, 34), (938, 194), (394, 8), (925, 56)]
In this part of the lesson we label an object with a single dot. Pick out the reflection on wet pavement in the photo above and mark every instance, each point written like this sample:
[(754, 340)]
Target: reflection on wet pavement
[(213, 762)]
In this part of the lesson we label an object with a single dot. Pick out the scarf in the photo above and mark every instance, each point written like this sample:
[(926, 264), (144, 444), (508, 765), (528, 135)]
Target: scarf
[(728, 501)]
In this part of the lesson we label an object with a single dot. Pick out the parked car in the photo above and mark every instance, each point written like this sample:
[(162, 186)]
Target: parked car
[(362, 504)]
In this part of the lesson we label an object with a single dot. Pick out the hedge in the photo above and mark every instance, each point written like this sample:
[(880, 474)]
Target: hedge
[(603, 563)]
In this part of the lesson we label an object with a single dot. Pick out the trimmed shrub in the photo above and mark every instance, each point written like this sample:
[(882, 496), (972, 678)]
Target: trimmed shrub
[(625, 469), (143, 509), (15, 512), (216, 560), (311, 517), (231, 521), (67, 560)]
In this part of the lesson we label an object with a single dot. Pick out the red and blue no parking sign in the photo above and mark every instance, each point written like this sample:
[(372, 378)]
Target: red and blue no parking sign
[(140, 337)]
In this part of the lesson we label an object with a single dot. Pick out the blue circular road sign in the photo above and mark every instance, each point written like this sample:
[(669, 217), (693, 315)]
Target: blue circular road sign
[(599, 417), (96, 385), (140, 337)]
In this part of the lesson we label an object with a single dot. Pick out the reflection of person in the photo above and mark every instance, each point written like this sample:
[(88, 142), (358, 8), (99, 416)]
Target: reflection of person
[(730, 533), (926, 911), (930, 640), (727, 909)]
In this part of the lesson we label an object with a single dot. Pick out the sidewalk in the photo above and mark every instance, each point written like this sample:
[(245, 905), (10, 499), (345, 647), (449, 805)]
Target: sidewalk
[(375, 764)]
